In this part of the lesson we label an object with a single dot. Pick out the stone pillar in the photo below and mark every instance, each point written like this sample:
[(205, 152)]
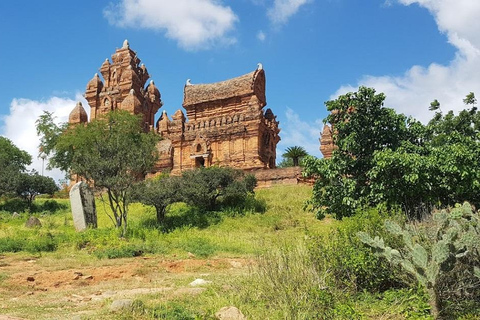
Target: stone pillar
[(82, 202)]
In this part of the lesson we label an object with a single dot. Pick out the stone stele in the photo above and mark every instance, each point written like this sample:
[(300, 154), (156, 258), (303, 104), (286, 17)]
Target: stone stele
[(82, 202)]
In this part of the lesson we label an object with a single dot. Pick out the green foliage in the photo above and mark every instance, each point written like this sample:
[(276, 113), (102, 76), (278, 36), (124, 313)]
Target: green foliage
[(32, 184), (431, 250), (22, 241), (210, 188), (110, 152), (350, 265), (384, 158), (49, 133), (13, 162), (361, 126), (295, 154), (159, 192)]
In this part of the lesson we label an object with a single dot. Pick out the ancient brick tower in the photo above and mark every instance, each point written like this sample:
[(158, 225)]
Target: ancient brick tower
[(326, 142), (226, 126), (124, 88)]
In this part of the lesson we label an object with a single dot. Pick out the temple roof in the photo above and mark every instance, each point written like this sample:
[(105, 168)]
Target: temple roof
[(236, 87), (78, 114)]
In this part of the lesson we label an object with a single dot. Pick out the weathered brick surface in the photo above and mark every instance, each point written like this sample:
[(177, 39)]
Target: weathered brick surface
[(225, 122)]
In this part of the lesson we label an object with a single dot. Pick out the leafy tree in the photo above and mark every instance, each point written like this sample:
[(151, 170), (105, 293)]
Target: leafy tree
[(295, 153), (204, 187), (49, 133), (386, 158), (13, 162), (159, 192), (32, 184), (361, 126), (111, 153)]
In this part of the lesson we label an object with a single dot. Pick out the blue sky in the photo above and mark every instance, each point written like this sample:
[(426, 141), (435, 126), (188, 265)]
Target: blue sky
[(312, 50)]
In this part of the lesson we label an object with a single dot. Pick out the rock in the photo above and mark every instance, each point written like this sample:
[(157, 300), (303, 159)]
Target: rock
[(119, 305), (190, 255), (199, 282), (30, 279), (33, 222), (82, 202), (229, 313), (15, 215)]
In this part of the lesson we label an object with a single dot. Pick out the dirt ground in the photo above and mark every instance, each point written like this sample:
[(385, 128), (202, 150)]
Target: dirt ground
[(53, 288)]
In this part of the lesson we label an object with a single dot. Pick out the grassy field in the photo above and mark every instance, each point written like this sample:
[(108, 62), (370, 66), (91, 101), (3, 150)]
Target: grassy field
[(257, 261)]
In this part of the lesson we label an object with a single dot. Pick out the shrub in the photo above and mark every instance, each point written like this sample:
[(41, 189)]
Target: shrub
[(349, 263)]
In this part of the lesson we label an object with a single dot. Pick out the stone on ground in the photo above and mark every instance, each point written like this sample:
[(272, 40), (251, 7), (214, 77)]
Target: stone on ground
[(230, 313)]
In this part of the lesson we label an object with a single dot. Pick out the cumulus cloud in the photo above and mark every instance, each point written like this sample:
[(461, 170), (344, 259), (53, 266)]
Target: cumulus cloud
[(282, 10), (296, 132), (261, 36), (194, 24), (19, 125), (412, 92)]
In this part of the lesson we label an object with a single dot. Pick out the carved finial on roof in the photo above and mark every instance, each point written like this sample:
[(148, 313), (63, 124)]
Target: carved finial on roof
[(95, 75), (188, 83), (125, 44), (153, 83), (259, 66), (132, 91)]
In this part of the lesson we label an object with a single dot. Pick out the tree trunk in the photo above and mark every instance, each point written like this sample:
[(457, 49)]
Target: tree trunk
[(160, 214), (295, 162), (435, 304)]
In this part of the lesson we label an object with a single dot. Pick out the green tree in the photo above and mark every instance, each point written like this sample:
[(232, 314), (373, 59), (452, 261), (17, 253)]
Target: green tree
[(13, 162), (295, 153), (386, 158), (362, 126), (49, 133), (32, 184), (206, 187), (111, 153), (159, 192)]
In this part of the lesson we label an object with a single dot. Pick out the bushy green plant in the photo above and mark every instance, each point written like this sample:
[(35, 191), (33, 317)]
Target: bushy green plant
[(432, 249), (349, 264)]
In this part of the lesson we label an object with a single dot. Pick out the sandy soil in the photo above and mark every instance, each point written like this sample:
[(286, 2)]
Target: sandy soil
[(46, 288)]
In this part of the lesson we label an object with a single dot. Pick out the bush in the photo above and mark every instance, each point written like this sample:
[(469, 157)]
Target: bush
[(349, 263)]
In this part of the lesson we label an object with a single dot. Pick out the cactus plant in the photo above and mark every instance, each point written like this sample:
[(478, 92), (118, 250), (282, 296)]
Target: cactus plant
[(456, 234)]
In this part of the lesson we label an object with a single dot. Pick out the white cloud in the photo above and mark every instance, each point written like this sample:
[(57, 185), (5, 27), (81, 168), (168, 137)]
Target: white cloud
[(282, 10), (19, 125), (412, 92), (296, 132), (194, 24), (261, 36)]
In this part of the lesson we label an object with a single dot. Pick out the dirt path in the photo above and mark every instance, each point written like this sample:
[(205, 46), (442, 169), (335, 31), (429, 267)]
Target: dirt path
[(46, 288)]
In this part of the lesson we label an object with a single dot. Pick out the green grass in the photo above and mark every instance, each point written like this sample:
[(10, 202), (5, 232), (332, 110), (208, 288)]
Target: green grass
[(282, 283)]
